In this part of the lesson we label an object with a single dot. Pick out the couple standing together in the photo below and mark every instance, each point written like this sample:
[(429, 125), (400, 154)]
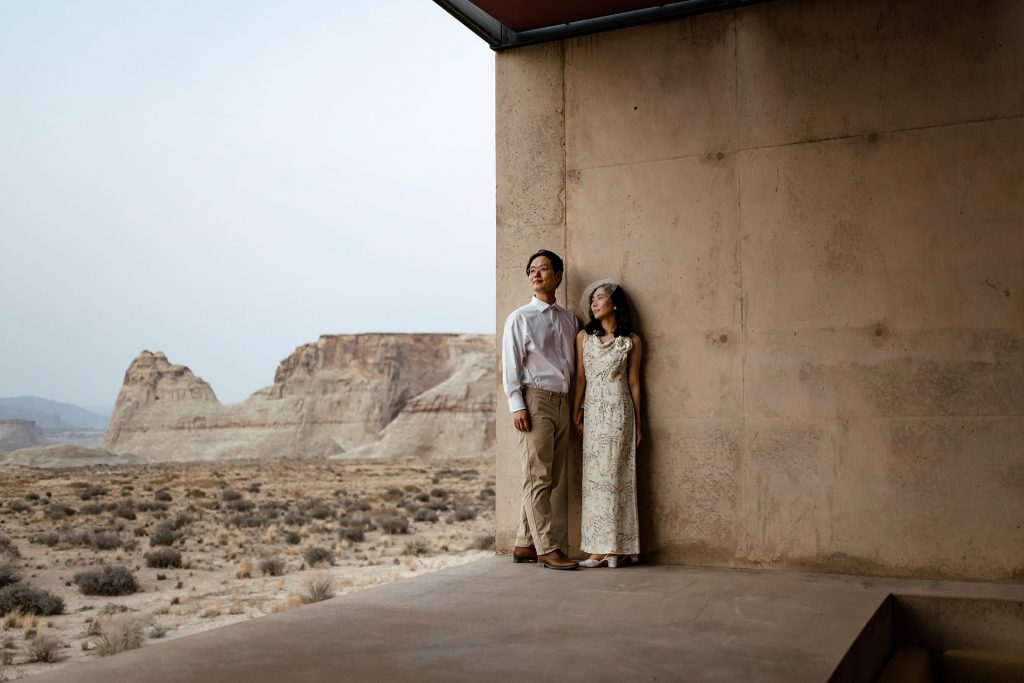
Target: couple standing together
[(543, 347)]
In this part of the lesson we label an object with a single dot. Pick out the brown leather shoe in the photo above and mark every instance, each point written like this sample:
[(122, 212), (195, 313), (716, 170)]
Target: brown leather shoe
[(524, 553), (556, 560)]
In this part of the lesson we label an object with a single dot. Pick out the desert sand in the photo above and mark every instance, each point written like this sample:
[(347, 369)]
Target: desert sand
[(254, 537)]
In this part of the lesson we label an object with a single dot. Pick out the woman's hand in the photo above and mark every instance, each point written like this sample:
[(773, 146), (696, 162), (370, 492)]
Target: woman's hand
[(578, 421), (639, 436)]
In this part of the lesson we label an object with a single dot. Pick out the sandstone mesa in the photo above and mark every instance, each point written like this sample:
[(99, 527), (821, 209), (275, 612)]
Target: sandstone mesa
[(429, 396), (15, 434)]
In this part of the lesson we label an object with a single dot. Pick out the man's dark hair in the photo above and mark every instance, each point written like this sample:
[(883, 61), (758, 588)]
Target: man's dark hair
[(623, 314), (556, 260)]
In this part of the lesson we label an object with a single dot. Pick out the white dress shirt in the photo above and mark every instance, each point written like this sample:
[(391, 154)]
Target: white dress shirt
[(537, 350)]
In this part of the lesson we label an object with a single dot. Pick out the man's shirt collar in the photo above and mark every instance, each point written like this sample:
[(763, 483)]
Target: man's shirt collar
[(540, 305)]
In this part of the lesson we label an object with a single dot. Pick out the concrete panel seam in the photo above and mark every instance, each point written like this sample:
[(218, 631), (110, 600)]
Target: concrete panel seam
[(893, 131), (810, 141), (597, 167)]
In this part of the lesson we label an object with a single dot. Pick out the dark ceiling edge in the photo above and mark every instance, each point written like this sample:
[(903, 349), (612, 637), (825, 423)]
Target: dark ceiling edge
[(500, 37), (478, 21)]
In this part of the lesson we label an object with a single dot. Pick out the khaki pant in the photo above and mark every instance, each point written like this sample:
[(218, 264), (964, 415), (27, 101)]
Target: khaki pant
[(545, 449)]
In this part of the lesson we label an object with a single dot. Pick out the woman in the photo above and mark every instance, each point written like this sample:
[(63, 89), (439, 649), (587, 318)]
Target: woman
[(606, 412)]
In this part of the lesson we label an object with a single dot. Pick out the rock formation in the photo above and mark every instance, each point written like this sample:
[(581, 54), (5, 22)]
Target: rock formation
[(429, 395), (64, 455), (15, 434)]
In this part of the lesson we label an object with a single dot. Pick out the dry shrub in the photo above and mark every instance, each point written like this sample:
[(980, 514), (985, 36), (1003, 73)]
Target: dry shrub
[(92, 491), (9, 574), (320, 510), (319, 588), (393, 524), (296, 518), (119, 633), (8, 548), (464, 513), (21, 596), (125, 509), (107, 580), (29, 626), (45, 647), (318, 555), (485, 542), (58, 512), (105, 541), (416, 546), (244, 569), (12, 619), (240, 505), (272, 566), (165, 534), (425, 515), (181, 520), (163, 557), (47, 538)]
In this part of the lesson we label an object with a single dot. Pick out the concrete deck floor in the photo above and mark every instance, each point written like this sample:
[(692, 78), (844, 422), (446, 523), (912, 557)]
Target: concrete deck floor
[(495, 620)]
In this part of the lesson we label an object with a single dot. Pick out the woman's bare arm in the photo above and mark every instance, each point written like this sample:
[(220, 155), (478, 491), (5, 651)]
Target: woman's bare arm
[(581, 384), (635, 357)]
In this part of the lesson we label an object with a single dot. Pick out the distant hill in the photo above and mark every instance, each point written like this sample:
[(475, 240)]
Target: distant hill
[(50, 414)]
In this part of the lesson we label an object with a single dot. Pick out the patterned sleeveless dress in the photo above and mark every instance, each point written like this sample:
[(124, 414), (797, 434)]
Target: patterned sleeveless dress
[(609, 450)]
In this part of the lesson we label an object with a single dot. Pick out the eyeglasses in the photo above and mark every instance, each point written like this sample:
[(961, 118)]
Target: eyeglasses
[(538, 269)]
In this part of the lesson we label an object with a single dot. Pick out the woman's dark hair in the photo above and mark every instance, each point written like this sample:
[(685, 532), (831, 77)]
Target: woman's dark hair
[(556, 261), (623, 315)]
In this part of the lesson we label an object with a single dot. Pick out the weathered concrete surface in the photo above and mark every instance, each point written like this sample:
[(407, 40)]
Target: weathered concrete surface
[(492, 620), (818, 209)]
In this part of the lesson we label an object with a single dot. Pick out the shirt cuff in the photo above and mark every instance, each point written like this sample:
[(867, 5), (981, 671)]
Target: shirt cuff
[(516, 402)]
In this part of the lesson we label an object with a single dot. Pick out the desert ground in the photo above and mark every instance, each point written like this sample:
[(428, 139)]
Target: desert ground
[(140, 554)]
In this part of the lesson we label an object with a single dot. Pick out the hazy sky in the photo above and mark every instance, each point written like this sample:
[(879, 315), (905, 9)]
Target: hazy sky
[(226, 180)]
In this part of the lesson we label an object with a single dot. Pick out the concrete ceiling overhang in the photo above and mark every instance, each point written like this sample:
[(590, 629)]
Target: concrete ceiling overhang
[(507, 24)]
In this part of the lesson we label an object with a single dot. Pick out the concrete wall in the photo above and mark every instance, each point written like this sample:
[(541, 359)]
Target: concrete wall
[(818, 209)]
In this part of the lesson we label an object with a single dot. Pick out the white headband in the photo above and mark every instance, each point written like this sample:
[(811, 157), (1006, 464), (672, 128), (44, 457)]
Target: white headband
[(607, 283)]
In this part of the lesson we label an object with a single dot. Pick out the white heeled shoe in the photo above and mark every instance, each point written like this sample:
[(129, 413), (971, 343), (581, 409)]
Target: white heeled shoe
[(616, 561), (593, 564)]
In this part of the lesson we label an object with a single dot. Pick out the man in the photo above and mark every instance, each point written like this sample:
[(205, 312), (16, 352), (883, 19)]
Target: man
[(538, 361)]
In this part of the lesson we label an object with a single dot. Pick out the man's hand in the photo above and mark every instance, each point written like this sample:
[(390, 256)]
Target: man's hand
[(521, 419)]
